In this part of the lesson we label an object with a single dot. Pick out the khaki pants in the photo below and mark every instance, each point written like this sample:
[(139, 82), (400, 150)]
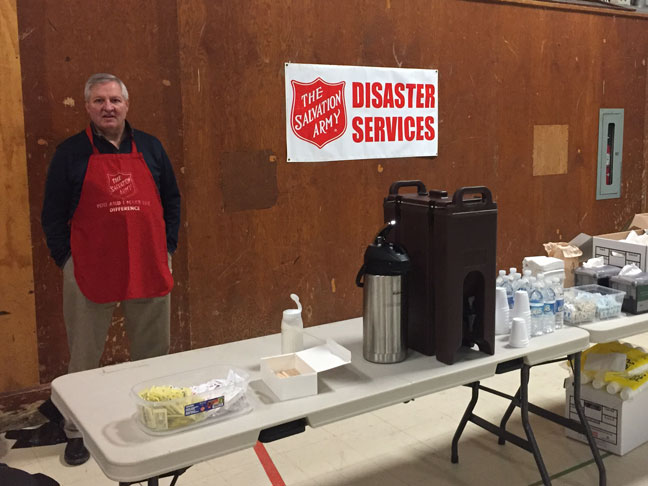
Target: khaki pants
[(147, 327)]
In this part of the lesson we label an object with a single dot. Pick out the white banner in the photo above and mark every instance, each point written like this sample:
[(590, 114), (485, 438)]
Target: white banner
[(355, 112)]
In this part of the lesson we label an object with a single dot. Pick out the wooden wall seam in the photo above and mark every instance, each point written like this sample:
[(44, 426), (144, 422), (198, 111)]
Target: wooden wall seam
[(644, 174)]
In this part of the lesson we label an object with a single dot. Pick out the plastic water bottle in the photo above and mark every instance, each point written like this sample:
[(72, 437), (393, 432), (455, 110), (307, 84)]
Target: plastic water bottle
[(514, 276), (525, 283), (560, 302), (510, 294), (536, 305), (549, 308), (500, 278)]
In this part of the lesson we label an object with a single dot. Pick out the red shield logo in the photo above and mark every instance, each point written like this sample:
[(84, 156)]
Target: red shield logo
[(318, 113), (121, 185)]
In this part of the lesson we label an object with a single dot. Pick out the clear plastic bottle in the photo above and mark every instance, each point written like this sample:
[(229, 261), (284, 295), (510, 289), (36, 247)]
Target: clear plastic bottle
[(525, 283), (560, 302), (514, 276), (549, 307), (500, 278), (536, 304), (510, 293)]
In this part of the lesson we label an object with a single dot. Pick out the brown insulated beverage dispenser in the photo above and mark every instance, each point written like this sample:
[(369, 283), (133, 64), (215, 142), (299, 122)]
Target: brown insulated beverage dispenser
[(451, 244)]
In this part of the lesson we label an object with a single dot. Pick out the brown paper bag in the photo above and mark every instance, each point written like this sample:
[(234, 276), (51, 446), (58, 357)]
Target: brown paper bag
[(640, 221), (567, 253)]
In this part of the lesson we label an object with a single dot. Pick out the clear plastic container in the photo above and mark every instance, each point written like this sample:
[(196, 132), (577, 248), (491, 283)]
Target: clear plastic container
[(185, 400), (577, 310), (586, 303)]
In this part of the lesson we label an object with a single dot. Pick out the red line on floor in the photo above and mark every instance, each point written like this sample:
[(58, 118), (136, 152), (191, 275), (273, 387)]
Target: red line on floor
[(268, 465)]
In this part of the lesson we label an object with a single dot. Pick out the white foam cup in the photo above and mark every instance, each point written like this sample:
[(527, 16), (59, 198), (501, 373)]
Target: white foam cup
[(502, 321), (519, 333), (521, 308), (502, 314), (501, 299)]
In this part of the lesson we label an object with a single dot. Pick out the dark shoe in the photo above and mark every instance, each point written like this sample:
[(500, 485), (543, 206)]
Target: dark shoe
[(75, 452)]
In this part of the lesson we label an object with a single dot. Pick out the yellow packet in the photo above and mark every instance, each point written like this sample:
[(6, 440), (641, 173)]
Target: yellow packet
[(633, 382), (636, 359)]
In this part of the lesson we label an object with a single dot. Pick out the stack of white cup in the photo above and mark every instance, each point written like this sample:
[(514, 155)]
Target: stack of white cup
[(519, 337), (521, 308), (502, 317)]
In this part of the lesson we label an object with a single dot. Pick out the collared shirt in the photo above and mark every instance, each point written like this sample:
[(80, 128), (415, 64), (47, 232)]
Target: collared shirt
[(66, 174)]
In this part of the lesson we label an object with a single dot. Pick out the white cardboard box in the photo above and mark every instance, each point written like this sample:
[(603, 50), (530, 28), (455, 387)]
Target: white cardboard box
[(308, 363), (618, 426), (619, 253)]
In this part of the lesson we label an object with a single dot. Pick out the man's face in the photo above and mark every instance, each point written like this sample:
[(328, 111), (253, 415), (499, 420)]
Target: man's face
[(107, 107)]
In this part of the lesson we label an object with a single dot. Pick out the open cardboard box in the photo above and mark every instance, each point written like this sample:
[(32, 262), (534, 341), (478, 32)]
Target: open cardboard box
[(617, 252), (307, 363), (620, 253)]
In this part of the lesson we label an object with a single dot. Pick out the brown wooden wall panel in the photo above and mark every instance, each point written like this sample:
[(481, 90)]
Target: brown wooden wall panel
[(18, 342), (207, 77), (502, 70), (62, 44)]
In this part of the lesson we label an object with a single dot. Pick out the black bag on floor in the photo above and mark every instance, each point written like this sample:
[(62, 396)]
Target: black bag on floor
[(16, 477)]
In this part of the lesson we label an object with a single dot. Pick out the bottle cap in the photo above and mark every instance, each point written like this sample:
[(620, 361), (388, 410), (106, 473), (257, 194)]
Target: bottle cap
[(290, 315)]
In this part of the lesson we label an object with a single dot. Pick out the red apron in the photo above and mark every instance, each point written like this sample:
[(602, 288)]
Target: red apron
[(118, 234)]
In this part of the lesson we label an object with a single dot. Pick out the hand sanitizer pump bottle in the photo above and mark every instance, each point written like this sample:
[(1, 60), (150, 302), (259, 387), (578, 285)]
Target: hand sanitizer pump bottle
[(292, 328)]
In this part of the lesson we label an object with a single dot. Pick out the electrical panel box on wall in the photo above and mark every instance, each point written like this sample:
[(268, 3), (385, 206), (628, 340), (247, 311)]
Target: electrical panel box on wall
[(610, 153)]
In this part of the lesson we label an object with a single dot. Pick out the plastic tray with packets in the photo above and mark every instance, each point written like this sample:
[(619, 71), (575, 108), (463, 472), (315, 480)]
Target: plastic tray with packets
[(587, 303), (186, 400)]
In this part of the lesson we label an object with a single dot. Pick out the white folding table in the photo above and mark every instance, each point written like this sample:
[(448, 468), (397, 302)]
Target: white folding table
[(619, 328), (98, 400)]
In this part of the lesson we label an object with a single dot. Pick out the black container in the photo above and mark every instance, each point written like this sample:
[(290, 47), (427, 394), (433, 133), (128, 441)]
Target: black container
[(595, 276), (452, 245), (635, 287)]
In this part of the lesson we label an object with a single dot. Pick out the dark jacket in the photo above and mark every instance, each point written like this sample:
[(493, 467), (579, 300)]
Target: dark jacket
[(67, 172)]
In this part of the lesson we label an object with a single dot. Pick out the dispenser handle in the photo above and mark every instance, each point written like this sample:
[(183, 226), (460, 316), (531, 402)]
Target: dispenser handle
[(361, 273), (393, 189), (486, 196)]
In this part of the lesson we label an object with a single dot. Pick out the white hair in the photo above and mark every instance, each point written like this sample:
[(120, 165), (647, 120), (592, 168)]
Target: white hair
[(101, 78)]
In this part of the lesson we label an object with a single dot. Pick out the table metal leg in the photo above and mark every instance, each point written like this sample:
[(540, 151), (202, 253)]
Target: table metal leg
[(507, 416), (464, 420), (576, 359), (524, 409), (521, 399), (155, 481)]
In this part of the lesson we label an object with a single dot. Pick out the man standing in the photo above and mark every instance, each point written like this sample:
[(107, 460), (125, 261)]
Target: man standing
[(111, 216)]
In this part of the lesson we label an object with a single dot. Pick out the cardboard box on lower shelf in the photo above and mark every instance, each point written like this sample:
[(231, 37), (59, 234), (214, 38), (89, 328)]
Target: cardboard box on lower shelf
[(618, 426)]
